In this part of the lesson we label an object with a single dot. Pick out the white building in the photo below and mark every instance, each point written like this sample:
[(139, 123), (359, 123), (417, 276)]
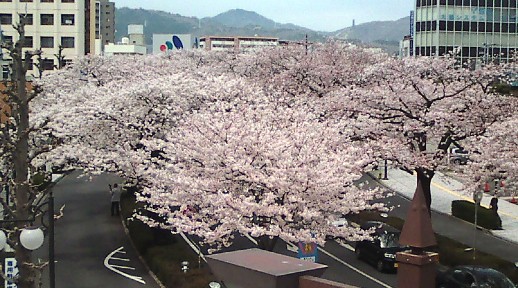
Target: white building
[(124, 48), (405, 47), (237, 43), (73, 24), (164, 43), (49, 25)]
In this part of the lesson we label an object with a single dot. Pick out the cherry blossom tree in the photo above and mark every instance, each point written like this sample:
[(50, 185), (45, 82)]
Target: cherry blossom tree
[(260, 167), (419, 107)]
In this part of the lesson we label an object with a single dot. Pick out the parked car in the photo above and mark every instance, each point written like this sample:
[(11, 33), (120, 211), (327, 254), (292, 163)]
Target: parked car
[(381, 250), (459, 156), (469, 276)]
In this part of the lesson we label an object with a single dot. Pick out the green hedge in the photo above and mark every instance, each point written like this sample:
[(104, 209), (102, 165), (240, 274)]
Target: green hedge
[(486, 218), (163, 251)]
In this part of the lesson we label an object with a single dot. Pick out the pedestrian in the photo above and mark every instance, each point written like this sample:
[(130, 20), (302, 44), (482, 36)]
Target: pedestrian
[(493, 204), (116, 192)]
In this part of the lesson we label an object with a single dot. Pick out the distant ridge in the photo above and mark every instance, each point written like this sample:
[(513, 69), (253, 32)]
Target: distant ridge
[(385, 34)]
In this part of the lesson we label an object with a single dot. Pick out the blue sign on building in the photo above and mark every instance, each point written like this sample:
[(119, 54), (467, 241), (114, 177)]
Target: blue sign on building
[(308, 251)]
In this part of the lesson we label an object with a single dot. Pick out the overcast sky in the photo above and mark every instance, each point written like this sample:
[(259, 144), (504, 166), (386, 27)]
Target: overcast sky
[(321, 15)]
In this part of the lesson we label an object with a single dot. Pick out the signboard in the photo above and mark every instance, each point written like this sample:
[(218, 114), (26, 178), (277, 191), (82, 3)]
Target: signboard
[(308, 251), (10, 270)]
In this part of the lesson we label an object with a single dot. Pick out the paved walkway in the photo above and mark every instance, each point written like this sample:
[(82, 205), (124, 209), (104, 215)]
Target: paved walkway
[(91, 247), (446, 189)]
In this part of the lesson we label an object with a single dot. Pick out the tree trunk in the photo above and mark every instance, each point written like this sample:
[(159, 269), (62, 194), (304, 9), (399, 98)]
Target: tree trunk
[(267, 243), (424, 178), (27, 274)]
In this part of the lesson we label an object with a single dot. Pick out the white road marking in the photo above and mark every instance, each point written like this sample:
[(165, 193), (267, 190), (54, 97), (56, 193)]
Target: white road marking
[(193, 246), (354, 268), (346, 246), (120, 259), (114, 267), (251, 239), (123, 267)]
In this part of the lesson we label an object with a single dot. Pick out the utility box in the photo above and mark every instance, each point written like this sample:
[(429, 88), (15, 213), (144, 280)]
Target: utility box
[(256, 268)]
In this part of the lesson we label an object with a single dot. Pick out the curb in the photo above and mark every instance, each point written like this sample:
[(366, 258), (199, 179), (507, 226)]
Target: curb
[(488, 231), (126, 231)]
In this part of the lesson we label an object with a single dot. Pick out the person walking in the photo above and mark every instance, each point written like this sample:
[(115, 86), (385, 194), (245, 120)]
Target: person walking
[(116, 192)]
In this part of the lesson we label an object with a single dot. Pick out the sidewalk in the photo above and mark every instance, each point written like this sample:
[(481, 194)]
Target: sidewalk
[(445, 190)]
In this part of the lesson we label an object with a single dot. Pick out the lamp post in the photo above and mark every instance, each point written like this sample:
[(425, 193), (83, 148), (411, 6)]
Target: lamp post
[(477, 197), (31, 238)]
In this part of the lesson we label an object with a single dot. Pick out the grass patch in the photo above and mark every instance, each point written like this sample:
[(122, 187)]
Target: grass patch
[(451, 252), (164, 252)]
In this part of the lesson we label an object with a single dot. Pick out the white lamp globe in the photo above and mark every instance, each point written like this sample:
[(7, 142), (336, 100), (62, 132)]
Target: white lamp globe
[(3, 240), (31, 238)]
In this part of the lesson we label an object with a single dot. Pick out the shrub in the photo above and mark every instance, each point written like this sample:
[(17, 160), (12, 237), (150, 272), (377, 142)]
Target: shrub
[(486, 218)]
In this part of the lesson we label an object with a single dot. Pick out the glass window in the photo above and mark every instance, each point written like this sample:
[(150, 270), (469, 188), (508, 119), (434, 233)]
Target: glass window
[(47, 64), (28, 42), (47, 19), (67, 42), (6, 1), (46, 1), (8, 39), (25, 0), (67, 1), (47, 42), (67, 19), (6, 19), (27, 18)]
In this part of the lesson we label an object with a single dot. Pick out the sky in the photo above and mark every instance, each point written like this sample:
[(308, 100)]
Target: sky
[(320, 15)]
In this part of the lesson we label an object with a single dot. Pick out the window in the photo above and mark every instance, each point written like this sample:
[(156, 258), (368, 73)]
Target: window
[(5, 71), (6, 19), (67, 1), (25, 0), (47, 42), (31, 63), (6, 1), (47, 19), (67, 19), (27, 18), (67, 42), (47, 64), (8, 39), (46, 1), (28, 42)]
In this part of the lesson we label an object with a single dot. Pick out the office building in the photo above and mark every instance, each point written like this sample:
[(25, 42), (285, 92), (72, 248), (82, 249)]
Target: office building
[(477, 30), (236, 43), (50, 24)]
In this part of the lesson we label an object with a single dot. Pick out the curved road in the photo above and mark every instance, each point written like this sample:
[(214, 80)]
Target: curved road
[(87, 234)]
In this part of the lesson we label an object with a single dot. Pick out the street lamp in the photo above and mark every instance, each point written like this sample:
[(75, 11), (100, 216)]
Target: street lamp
[(31, 238)]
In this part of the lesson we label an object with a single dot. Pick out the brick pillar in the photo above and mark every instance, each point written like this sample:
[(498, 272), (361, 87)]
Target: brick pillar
[(416, 270)]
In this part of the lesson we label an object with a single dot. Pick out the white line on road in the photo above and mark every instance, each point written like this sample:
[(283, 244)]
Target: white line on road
[(123, 267), (193, 246), (120, 259), (251, 239), (112, 267), (346, 246), (354, 268)]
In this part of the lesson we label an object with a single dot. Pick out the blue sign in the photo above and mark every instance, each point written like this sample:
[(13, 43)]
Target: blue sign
[(308, 251), (177, 42)]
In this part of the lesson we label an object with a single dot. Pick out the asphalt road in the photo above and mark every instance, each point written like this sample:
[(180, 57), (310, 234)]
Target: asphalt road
[(87, 234)]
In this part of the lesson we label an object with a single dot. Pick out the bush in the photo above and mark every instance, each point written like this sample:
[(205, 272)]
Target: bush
[(164, 252), (486, 218)]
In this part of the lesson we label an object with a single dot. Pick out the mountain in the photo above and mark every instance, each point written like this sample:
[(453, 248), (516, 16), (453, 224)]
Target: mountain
[(385, 34), (240, 18)]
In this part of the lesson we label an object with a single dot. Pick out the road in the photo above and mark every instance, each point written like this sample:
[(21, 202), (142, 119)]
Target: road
[(87, 235)]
